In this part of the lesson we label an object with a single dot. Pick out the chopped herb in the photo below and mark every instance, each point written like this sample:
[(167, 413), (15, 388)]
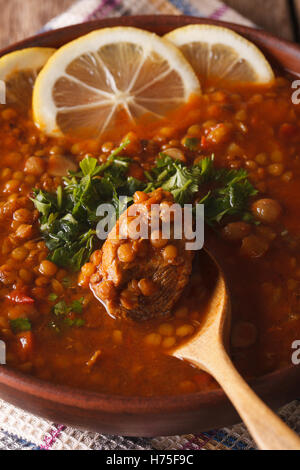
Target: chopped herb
[(231, 188), (52, 297), (45, 202), (20, 324), (88, 166), (191, 143), (64, 314), (60, 308), (60, 195), (78, 322), (231, 198), (77, 305), (182, 181), (68, 217), (58, 327)]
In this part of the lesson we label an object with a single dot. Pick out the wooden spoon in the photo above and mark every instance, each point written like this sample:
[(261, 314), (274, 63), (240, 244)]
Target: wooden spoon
[(206, 350)]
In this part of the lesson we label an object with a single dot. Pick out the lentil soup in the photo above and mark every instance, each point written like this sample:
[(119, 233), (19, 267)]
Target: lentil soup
[(55, 328)]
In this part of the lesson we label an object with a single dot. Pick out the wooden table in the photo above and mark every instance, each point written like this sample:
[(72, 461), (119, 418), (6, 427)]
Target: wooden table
[(22, 18), (280, 17)]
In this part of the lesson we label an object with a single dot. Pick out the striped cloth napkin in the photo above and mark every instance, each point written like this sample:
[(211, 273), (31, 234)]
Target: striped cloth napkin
[(23, 431), (86, 10)]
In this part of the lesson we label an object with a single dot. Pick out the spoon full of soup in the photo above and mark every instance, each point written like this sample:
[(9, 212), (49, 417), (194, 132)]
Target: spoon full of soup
[(140, 277)]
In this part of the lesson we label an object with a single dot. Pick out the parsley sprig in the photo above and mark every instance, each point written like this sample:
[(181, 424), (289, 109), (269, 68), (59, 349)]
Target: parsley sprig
[(182, 181), (229, 193), (68, 217), (230, 197)]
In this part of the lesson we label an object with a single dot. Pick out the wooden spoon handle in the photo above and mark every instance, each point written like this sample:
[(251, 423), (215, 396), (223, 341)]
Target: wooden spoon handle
[(266, 428)]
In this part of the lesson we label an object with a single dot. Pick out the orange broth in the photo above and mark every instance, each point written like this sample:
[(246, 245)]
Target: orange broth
[(257, 129)]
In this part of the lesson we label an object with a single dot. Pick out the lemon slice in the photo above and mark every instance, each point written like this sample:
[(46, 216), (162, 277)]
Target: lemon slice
[(216, 52), (18, 70), (88, 81)]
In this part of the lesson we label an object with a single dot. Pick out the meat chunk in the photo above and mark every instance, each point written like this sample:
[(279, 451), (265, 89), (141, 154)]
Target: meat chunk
[(142, 277)]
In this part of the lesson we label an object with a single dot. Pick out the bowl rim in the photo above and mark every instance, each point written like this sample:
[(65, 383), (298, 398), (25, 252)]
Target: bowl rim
[(116, 404), (156, 404), (122, 20)]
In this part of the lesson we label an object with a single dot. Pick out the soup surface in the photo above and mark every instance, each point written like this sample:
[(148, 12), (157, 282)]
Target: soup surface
[(54, 327)]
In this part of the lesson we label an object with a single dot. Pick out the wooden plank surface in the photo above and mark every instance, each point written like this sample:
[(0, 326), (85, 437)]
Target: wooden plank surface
[(22, 18), (297, 13), (271, 15)]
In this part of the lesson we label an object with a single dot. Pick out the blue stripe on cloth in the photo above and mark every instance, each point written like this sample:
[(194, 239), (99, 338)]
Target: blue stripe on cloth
[(233, 443), (9, 441), (185, 7)]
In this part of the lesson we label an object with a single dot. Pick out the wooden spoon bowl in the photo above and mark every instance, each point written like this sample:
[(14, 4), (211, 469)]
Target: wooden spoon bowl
[(207, 351)]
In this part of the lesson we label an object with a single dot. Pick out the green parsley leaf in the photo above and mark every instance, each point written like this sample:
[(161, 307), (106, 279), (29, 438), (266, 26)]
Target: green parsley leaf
[(60, 308), (62, 313), (68, 217), (60, 195), (44, 202), (77, 305), (182, 181), (20, 324), (88, 165), (191, 143), (52, 297), (229, 196), (78, 322)]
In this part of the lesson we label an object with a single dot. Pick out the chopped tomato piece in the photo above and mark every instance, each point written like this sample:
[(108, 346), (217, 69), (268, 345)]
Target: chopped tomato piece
[(19, 297), (204, 142)]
